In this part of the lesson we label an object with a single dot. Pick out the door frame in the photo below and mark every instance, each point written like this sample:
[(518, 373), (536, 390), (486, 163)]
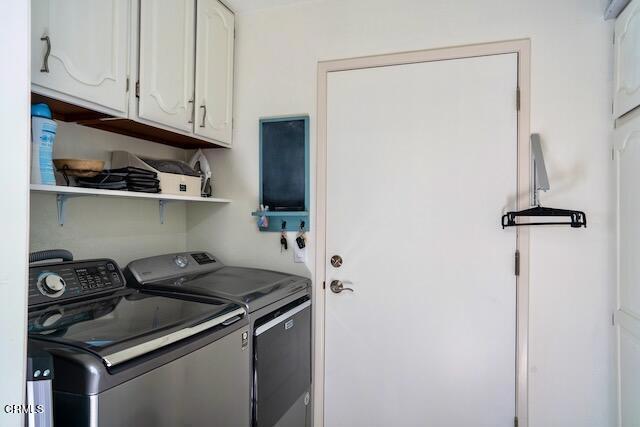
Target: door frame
[(522, 48)]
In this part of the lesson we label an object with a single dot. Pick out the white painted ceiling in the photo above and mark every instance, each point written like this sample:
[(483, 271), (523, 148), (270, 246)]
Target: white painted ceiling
[(243, 6)]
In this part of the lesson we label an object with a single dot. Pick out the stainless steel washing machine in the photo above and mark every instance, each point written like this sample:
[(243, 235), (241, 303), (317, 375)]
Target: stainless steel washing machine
[(279, 307), (124, 357)]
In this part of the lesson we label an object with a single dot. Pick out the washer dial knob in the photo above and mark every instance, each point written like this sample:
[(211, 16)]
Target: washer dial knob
[(181, 261), (51, 285)]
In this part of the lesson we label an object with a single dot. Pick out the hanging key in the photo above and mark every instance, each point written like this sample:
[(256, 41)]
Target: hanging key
[(301, 240), (283, 242)]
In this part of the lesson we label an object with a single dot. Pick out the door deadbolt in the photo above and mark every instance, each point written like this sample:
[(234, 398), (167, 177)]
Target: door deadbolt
[(336, 261)]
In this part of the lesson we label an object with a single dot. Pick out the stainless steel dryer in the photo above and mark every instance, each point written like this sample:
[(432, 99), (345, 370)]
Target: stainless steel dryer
[(123, 357), (279, 307)]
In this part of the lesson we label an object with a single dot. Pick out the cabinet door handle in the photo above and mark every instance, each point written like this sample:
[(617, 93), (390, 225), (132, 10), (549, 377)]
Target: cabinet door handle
[(193, 110), (204, 114), (45, 62)]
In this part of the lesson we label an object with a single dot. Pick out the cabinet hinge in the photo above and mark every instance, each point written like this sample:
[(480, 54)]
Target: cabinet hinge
[(127, 85), (138, 89), (517, 263), (517, 99), (515, 421)]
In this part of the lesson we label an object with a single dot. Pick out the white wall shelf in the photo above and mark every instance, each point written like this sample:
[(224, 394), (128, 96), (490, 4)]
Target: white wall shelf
[(64, 193)]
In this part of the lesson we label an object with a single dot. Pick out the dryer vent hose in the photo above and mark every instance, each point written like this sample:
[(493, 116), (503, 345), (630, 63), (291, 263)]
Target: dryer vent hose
[(62, 254)]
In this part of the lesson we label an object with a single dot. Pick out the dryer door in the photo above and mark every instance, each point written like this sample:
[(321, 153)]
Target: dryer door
[(282, 368)]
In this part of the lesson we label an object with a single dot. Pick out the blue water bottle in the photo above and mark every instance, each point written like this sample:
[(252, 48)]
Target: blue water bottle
[(43, 135)]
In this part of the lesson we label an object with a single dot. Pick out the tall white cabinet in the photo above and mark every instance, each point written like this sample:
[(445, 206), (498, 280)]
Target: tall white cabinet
[(627, 315), (627, 148), (79, 51), (214, 70)]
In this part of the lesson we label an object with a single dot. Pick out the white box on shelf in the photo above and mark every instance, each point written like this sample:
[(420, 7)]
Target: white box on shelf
[(170, 183)]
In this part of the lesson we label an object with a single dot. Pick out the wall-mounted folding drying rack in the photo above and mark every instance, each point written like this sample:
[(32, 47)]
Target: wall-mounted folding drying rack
[(576, 219)]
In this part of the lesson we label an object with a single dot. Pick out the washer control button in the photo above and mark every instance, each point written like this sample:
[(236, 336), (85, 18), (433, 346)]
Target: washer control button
[(181, 261), (51, 284)]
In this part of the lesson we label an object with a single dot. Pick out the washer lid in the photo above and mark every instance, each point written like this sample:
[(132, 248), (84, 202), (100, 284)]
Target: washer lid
[(254, 288), (131, 324)]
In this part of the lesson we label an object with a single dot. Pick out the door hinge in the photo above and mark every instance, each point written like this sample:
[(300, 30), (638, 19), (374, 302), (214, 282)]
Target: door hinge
[(517, 99), (138, 89), (127, 89), (515, 421), (517, 263)]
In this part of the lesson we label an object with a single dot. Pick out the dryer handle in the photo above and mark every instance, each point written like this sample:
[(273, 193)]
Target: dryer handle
[(270, 324)]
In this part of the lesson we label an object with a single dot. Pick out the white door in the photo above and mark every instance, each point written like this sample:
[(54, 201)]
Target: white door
[(79, 48), (214, 70), (627, 317), (627, 60), (167, 56), (421, 160)]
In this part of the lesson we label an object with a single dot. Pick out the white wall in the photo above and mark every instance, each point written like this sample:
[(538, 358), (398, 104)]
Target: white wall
[(571, 339), (14, 181), (122, 229)]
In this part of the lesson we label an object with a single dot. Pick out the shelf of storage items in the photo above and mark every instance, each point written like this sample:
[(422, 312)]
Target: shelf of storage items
[(64, 193)]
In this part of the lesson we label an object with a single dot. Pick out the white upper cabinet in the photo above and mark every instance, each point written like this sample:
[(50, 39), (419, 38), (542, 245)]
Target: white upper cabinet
[(166, 79), (79, 50), (627, 60), (214, 70)]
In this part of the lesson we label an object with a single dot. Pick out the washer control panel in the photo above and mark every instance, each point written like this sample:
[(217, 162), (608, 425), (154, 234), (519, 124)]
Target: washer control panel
[(171, 266), (73, 279)]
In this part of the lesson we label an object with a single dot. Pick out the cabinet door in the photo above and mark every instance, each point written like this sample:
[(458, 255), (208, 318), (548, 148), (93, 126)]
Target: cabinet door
[(167, 32), (79, 48), (627, 60), (627, 315), (214, 70)]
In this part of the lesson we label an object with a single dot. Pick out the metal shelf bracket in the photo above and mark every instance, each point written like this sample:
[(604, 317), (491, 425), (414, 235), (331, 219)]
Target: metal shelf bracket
[(61, 200), (161, 204)]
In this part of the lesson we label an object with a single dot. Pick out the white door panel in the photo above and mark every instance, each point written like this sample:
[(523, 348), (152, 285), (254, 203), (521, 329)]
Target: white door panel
[(627, 141), (629, 237), (421, 159), (630, 380), (627, 59), (167, 57), (88, 49), (214, 70)]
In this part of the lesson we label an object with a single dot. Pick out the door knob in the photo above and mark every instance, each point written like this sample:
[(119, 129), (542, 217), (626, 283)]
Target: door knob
[(337, 286)]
